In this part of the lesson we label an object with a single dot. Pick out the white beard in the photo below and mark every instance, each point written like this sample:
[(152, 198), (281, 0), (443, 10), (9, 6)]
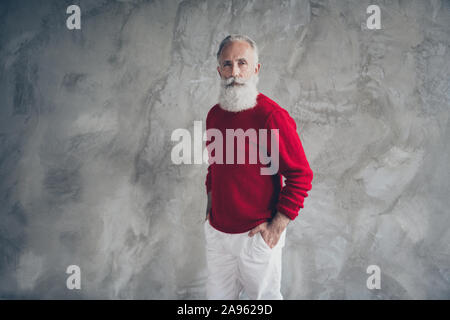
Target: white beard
[(238, 98)]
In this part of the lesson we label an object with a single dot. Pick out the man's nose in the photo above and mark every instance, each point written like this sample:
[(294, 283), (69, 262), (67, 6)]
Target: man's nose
[(235, 70)]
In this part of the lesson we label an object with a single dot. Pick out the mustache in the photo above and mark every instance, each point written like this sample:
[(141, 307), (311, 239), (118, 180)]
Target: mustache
[(234, 80)]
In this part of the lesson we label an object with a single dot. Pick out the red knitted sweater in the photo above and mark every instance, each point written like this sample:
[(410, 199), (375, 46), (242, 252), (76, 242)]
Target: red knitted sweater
[(242, 197)]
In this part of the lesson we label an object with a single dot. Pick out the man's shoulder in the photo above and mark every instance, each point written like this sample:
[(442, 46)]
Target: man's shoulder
[(213, 110), (266, 101), (268, 106), (214, 107)]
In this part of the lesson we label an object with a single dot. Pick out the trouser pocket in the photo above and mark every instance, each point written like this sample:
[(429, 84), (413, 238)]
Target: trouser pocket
[(259, 245)]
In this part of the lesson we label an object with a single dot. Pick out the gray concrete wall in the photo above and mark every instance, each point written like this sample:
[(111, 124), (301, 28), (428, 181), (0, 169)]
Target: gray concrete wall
[(86, 117)]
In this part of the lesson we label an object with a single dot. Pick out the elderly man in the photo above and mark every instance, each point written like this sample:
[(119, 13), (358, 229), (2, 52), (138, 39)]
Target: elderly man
[(247, 211)]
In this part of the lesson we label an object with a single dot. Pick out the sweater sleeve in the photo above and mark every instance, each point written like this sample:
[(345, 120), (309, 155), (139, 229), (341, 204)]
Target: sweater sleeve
[(293, 164)]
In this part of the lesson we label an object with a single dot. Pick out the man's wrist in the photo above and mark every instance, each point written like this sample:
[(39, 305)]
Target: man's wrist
[(280, 221)]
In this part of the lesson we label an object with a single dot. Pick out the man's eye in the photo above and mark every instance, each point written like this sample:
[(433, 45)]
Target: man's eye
[(226, 64), (242, 62)]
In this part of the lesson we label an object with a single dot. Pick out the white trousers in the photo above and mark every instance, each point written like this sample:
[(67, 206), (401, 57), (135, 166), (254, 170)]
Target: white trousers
[(238, 262)]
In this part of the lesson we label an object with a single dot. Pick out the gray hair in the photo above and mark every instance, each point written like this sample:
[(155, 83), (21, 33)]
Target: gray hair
[(238, 37)]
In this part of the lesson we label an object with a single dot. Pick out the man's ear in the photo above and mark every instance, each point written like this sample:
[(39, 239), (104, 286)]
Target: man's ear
[(218, 70), (257, 68)]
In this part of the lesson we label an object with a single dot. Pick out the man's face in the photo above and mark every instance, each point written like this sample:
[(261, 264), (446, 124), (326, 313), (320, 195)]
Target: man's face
[(237, 59)]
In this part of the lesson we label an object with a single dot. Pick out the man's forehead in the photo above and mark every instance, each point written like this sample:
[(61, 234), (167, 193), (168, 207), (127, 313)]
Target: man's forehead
[(237, 50)]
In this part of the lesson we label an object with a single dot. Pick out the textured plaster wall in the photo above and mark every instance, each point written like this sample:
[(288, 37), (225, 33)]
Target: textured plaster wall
[(86, 117)]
